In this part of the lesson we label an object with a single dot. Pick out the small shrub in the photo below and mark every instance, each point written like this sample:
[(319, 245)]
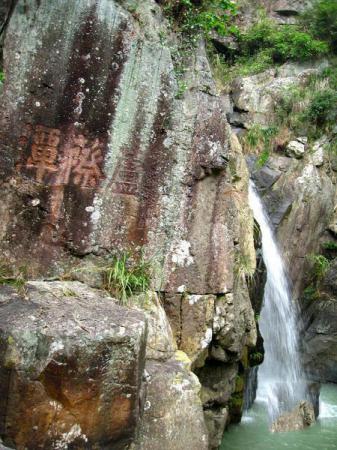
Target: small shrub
[(322, 109), (320, 267), (124, 277)]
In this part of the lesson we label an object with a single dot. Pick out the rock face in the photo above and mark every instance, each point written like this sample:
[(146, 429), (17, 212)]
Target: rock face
[(103, 151), (299, 418), (255, 97), (173, 416), (321, 330), (73, 359)]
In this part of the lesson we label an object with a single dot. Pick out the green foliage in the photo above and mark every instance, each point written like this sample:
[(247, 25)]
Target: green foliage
[(330, 245), (310, 294), (311, 108), (2, 77), (320, 266), (203, 16), (124, 277), (244, 269), (322, 109), (12, 277), (261, 139), (280, 43), (182, 87), (321, 21), (256, 358)]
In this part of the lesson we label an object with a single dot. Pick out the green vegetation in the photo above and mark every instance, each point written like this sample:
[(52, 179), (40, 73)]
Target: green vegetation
[(256, 358), (267, 44), (330, 246), (321, 22), (201, 16), (279, 43), (320, 267), (244, 269), (2, 76), (124, 277), (12, 277), (260, 139), (311, 108)]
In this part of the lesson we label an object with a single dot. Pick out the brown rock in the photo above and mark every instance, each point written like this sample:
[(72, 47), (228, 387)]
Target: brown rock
[(70, 368)]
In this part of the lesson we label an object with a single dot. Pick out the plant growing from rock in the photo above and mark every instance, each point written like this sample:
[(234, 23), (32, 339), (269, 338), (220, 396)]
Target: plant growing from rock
[(204, 16), (124, 277), (12, 277)]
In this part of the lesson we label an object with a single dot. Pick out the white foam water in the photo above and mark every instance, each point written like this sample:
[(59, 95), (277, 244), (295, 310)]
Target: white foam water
[(280, 383)]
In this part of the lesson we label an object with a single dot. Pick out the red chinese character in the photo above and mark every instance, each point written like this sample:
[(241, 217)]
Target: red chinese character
[(44, 151)]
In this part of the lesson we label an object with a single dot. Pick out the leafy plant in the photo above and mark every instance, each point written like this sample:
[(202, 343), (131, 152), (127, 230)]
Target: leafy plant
[(320, 265), (2, 76), (124, 277)]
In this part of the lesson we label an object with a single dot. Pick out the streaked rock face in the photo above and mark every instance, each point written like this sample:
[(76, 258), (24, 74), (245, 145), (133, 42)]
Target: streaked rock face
[(98, 153), (111, 140)]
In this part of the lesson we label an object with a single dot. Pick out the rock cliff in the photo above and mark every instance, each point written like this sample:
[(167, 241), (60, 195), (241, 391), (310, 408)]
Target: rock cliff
[(114, 139)]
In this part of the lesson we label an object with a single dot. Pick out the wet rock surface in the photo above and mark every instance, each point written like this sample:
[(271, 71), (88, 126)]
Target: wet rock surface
[(299, 418)]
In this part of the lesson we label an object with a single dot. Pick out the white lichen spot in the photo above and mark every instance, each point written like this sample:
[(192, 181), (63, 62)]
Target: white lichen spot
[(181, 254), (181, 288), (37, 104), (147, 405), (67, 438), (180, 387), (207, 339), (90, 209), (193, 299), (56, 346), (81, 80), (35, 202)]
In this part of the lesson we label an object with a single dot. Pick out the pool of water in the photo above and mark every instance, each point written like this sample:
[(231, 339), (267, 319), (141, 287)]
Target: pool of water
[(253, 434)]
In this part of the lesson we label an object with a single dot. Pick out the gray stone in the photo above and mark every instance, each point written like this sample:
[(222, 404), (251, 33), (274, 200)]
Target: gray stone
[(173, 417), (299, 418), (295, 149)]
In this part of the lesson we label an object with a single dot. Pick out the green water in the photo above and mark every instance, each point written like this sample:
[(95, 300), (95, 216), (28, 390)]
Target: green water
[(252, 433)]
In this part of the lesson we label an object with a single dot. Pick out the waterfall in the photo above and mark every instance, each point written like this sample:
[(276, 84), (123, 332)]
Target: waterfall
[(279, 377)]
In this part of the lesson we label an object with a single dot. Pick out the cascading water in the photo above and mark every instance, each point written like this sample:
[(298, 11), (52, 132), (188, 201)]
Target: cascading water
[(280, 382)]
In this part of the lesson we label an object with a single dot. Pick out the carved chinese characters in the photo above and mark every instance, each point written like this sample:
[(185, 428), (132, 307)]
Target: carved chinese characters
[(77, 160), (44, 151)]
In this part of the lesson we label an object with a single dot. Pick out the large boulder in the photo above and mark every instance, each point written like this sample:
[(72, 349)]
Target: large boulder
[(71, 366), (173, 416)]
